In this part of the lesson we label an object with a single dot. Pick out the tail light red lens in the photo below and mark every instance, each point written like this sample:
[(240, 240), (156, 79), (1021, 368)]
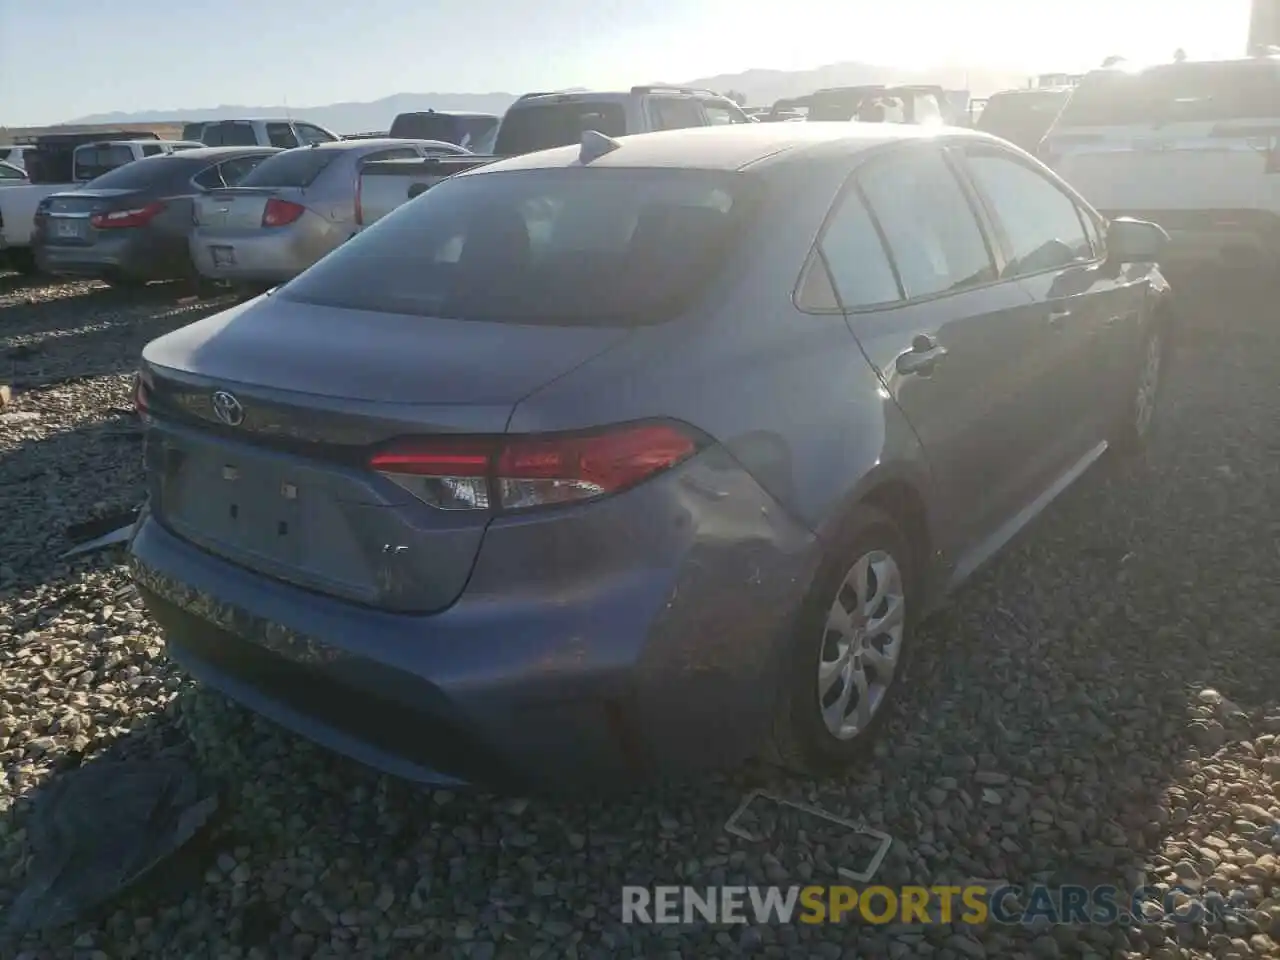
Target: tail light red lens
[(123, 219), (359, 206), (518, 473), (141, 398), (281, 213)]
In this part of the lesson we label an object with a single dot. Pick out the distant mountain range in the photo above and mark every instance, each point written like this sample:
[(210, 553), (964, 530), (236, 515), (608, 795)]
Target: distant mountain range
[(761, 87)]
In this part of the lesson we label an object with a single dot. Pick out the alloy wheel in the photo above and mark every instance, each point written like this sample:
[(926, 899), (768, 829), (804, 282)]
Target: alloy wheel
[(862, 644)]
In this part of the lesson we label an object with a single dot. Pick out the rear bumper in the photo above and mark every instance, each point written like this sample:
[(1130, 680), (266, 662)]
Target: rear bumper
[(272, 256), (564, 661), (1245, 238), (132, 254)]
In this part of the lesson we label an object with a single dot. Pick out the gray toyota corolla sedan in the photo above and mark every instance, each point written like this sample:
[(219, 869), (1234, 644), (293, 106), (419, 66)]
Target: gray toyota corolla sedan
[(640, 456)]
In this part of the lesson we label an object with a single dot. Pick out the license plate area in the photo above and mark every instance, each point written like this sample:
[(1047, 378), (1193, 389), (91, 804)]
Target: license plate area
[(69, 229), (244, 508), (223, 256)]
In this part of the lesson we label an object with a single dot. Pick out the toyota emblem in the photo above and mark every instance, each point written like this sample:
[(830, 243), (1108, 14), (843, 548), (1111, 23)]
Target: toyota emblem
[(228, 409)]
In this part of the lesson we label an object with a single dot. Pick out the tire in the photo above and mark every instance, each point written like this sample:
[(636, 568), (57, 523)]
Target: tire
[(1132, 429), (803, 741)]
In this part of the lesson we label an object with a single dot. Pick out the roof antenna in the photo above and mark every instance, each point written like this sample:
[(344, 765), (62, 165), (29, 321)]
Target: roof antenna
[(595, 145)]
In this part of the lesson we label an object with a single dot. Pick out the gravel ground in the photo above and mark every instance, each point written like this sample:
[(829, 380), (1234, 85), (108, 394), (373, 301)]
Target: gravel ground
[(1097, 706)]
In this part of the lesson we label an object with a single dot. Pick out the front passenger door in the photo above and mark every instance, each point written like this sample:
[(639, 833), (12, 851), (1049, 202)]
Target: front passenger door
[(952, 350), (1050, 253)]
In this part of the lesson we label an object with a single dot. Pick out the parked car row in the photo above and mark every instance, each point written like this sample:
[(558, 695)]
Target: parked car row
[(1194, 146), (250, 214)]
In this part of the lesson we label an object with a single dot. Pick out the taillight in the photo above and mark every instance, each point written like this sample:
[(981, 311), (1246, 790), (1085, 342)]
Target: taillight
[(120, 219), (359, 208), (141, 395), (517, 473), (280, 213)]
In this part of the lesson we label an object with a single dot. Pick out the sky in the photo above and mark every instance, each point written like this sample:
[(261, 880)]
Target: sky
[(62, 59)]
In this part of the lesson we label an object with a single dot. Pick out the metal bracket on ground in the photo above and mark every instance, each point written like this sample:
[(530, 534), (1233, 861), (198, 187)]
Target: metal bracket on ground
[(732, 827)]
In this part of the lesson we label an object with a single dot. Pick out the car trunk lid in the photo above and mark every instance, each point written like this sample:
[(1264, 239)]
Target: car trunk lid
[(263, 419), (241, 208), (67, 215)]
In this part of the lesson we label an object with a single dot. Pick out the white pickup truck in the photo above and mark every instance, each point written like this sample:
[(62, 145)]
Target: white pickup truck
[(541, 121), (87, 161)]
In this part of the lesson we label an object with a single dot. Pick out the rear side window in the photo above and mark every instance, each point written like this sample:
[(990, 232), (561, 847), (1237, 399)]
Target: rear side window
[(1045, 228), (926, 109), (396, 153), (293, 168), (478, 133), (231, 134), (234, 171), (150, 150), (310, 133), (1188, 92), (210, 178), (1020, 111), (718, 113), (676, 113), (541, 126), (91, 162), (556, 246), (856, 256), (931, 231), (192, 131), (281, 135)]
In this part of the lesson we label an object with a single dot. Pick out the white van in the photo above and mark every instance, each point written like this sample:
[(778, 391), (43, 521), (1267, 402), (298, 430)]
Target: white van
[(1194, 146)]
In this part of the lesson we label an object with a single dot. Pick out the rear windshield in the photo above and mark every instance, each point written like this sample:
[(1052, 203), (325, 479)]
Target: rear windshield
[(143, 173), (1205, 92), (95, 161), (427, 126), (293, 168), (542, 126), (555, 246), (192, 131), (230, 135)]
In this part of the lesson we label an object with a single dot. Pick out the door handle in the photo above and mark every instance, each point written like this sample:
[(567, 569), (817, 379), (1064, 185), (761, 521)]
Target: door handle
[(923, 356)]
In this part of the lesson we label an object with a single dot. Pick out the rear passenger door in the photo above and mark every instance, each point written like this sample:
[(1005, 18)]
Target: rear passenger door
[(1049, 251), (954, 346)]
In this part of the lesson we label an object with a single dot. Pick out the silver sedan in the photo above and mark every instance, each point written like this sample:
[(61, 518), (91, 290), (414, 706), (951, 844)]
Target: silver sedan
[(291, 210)]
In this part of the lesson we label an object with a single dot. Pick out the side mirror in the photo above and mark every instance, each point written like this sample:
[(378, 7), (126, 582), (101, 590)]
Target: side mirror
[(1135, 241)]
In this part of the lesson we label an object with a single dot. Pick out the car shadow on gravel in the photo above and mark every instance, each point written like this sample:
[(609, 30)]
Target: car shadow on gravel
[(56, 480)]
